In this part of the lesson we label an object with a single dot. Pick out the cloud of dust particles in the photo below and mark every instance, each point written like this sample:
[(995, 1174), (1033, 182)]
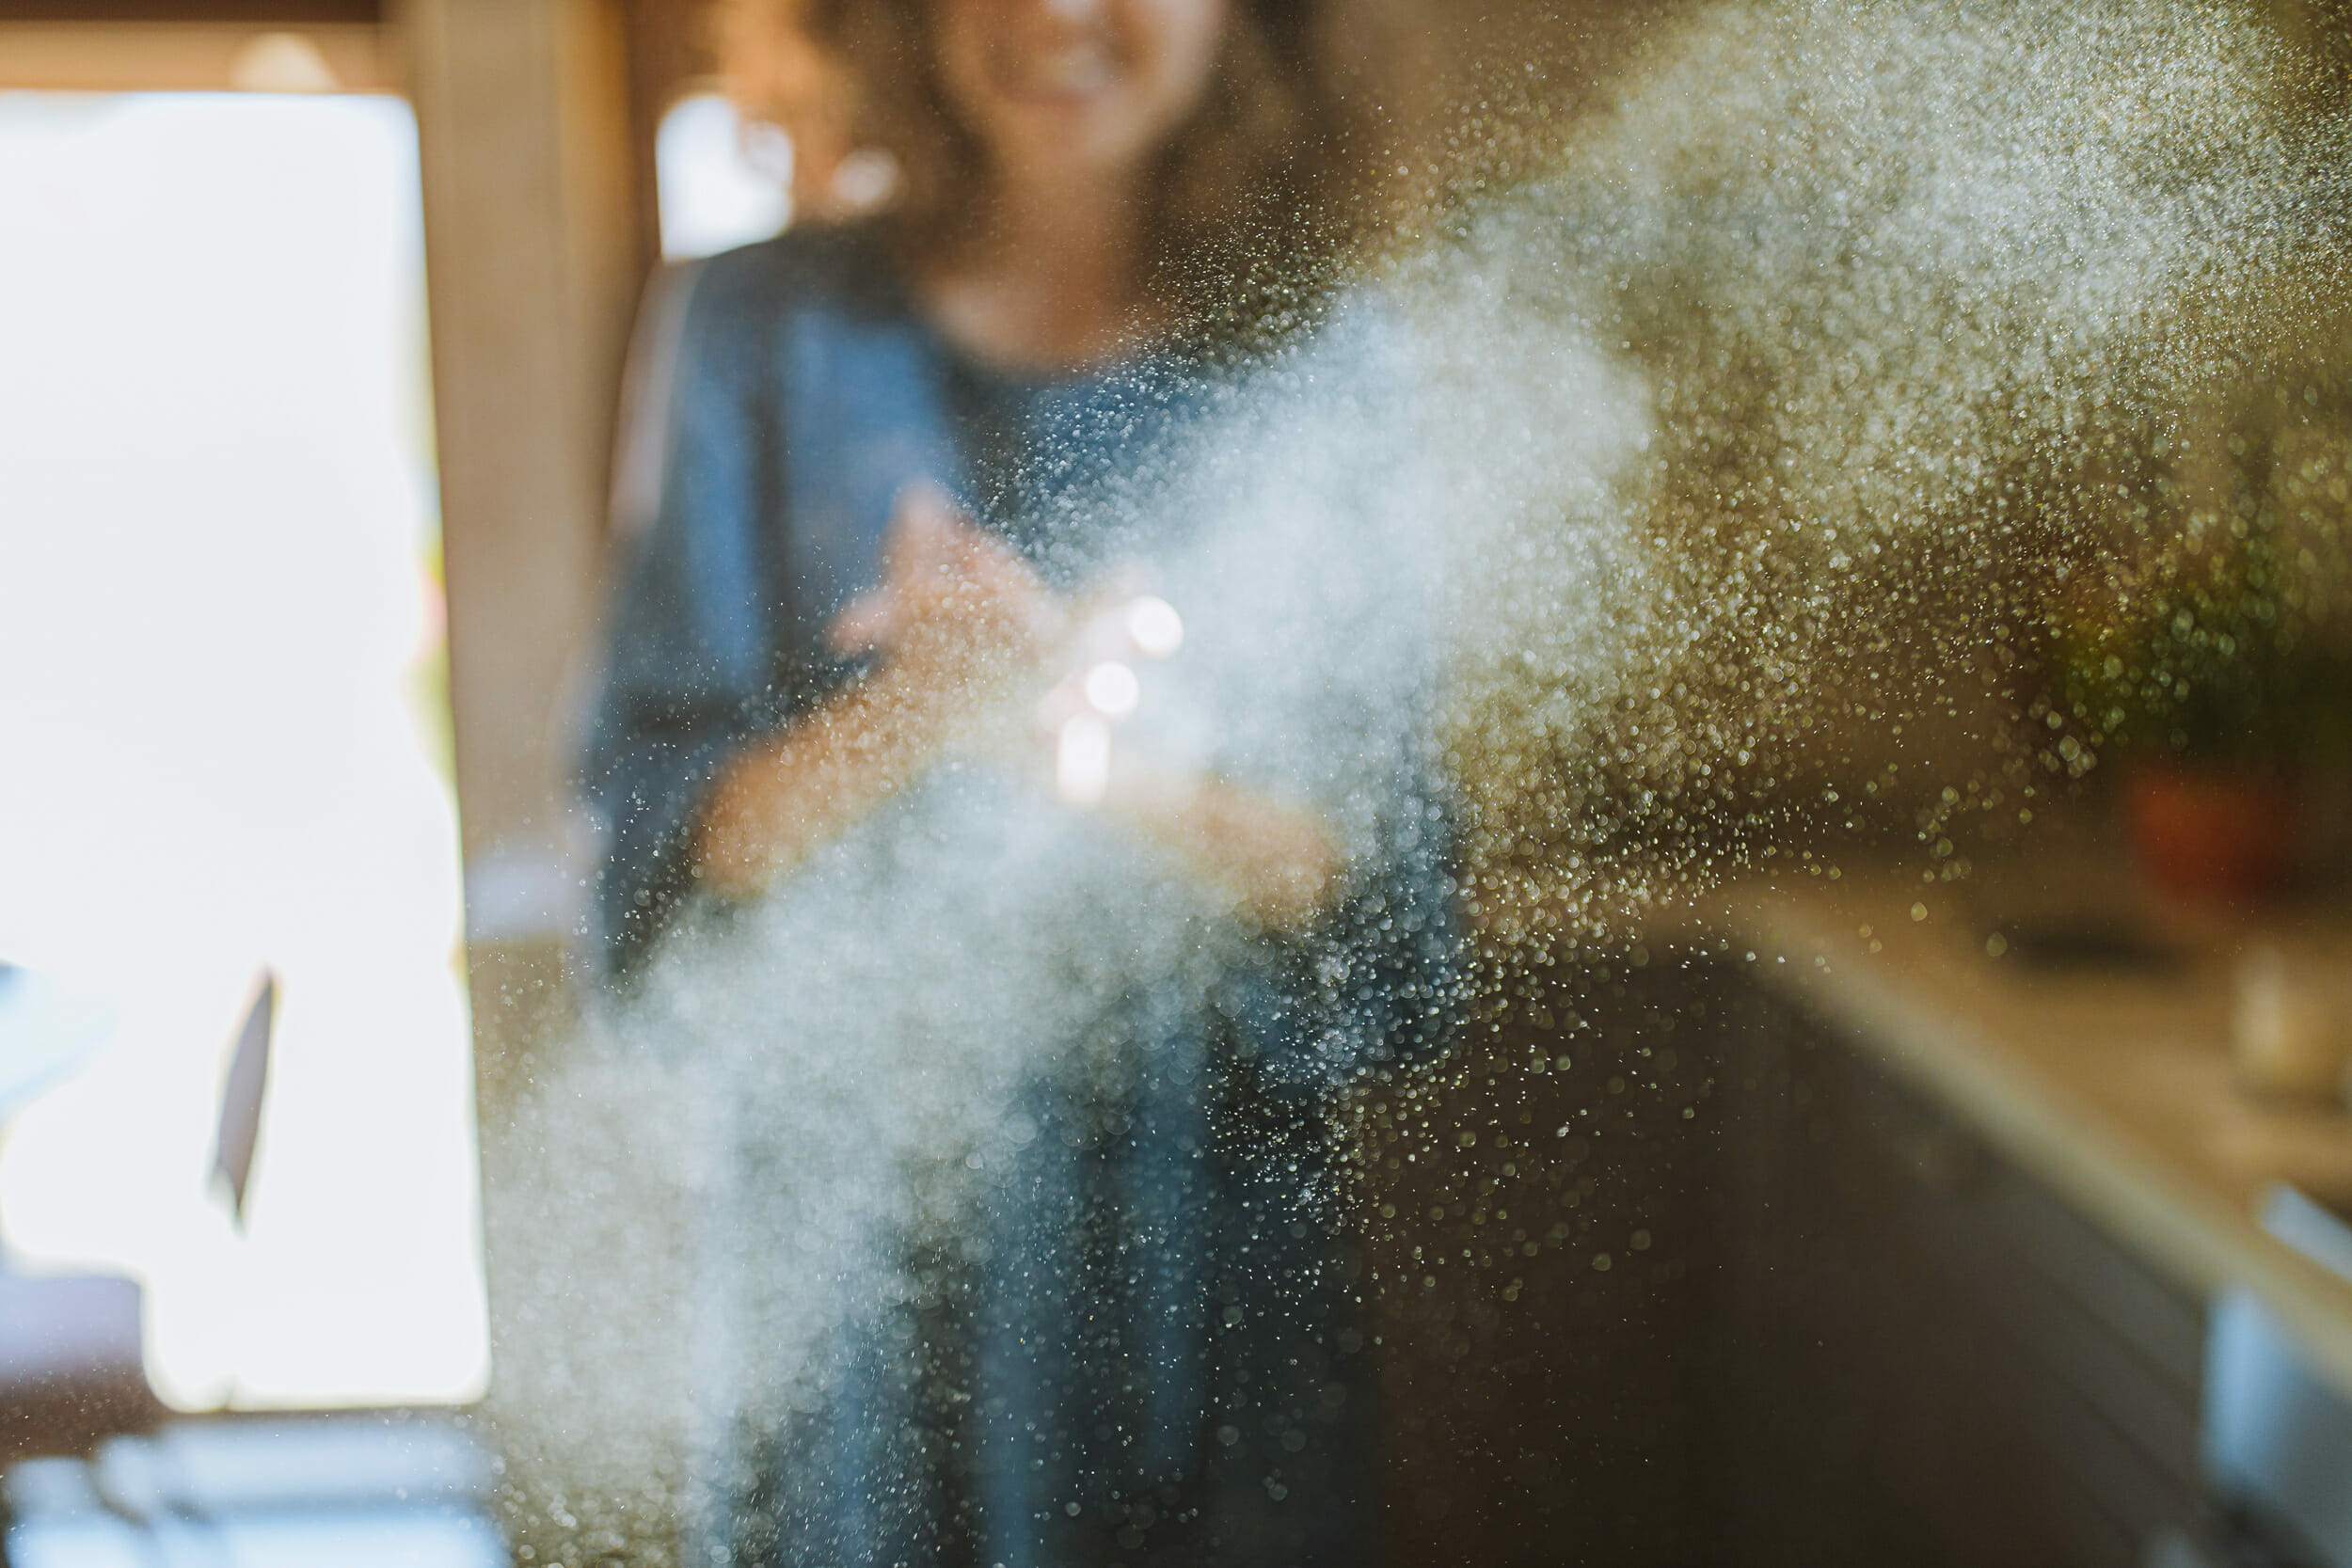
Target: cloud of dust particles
[(1825, 360)]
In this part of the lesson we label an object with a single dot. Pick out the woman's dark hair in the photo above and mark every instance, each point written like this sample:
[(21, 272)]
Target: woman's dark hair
[(1284, 172)]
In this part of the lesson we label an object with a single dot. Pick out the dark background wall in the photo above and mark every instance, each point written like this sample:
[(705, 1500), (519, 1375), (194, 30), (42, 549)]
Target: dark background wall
[(1855, 1337)]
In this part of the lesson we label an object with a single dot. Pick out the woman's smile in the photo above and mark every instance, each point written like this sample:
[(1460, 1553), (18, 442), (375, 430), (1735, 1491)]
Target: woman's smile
[(1053, 87)]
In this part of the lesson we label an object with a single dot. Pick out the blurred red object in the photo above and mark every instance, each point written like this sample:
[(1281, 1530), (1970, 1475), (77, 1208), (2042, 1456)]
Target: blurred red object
[(2212, 834)]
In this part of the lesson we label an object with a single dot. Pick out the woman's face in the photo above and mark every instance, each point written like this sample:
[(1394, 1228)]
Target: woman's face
[(1077, 88)]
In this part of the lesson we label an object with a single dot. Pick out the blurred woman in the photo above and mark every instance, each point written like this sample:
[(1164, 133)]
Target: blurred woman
[(897, 545)]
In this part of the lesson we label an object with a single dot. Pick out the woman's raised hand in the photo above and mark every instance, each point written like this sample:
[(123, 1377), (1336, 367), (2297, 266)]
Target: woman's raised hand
[(965, 631), (960, 623), (958, 615)]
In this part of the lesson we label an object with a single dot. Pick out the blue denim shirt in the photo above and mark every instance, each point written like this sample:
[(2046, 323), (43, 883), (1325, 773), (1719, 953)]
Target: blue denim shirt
[(1164, 1301)]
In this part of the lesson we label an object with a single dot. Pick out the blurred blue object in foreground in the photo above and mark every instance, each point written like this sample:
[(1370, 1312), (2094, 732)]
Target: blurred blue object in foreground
[(70, 1368), (2277, 1435), (354, 1491)]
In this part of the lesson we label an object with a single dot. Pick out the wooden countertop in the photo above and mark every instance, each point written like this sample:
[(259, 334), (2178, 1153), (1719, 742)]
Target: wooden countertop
[(2111, 1084)]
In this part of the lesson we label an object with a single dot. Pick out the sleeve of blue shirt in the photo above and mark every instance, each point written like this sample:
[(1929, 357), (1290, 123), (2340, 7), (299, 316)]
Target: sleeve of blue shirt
[(690, 669)]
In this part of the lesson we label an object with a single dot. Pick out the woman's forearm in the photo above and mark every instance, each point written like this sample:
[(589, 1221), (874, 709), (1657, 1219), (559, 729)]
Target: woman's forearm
[(778, 801), (781, 800), (1275, 860)]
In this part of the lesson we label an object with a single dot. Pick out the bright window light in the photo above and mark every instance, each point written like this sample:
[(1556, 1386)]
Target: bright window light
[(220, 655), (722, 181)]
